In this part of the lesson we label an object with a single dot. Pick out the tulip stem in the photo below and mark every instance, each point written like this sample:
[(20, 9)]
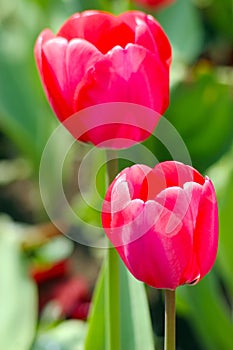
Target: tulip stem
[(170, 320), (113, 275), (112, 165)]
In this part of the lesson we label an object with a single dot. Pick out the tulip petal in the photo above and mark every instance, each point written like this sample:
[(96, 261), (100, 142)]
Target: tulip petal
[(158, 236), (153, 183), (175, 200), (184, 204), (177, 174), (126, 225), (120, 196), (80, 56), (64, 65), (161, 39), (101, 29), (125, 76), (134, 177), (193, 193), (55, 76), (206, 231), (155, 258), (41, 40), (134, 18), (144, 37)]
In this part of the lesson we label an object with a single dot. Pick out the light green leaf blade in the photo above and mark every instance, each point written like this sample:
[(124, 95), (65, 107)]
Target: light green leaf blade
[(136, 329), (68, 335), (136, 326), (18, 299), (59, 248), (96, 328)]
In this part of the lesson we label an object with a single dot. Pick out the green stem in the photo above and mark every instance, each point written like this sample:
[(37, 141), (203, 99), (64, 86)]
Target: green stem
[(130, 5), (113, 274), (112, 165), (170, 320)]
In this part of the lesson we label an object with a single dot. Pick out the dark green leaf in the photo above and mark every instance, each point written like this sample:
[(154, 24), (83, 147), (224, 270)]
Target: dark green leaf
[(208, 314), (201, 111), (219, 14)]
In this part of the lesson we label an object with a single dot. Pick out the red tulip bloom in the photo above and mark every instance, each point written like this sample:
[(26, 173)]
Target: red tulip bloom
[(97, 58), (154, 3), (163, 223)]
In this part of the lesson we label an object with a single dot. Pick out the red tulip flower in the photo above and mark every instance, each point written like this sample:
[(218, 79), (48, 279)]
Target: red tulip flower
[(163, 223), (97, 58), (154, 3)]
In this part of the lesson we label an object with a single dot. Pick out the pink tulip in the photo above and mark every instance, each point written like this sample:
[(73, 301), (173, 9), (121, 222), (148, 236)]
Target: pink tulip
[(163, 223), (154, 3), (97, 58)]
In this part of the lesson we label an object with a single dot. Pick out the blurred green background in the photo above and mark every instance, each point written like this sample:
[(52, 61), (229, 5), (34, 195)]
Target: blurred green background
[(46, 280)]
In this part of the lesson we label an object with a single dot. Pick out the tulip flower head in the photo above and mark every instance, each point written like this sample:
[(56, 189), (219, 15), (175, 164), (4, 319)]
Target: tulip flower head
[(99, 59), (163, 223)]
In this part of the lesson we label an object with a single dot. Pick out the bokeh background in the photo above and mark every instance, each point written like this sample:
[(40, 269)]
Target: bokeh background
[(46, 280)]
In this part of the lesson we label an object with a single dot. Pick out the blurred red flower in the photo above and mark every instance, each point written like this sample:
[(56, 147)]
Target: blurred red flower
[(70, 293), (154, 3)]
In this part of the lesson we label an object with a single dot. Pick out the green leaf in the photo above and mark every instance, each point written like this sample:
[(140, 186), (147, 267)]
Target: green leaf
[(25, 115), (57, 249), (208, 313), (219, 14), (201, 111), (96, 329), (136, 329), (68, 335), (182, 24), (88, 203), (21, 118), (221, 174), (95, 4), (18, 299)]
